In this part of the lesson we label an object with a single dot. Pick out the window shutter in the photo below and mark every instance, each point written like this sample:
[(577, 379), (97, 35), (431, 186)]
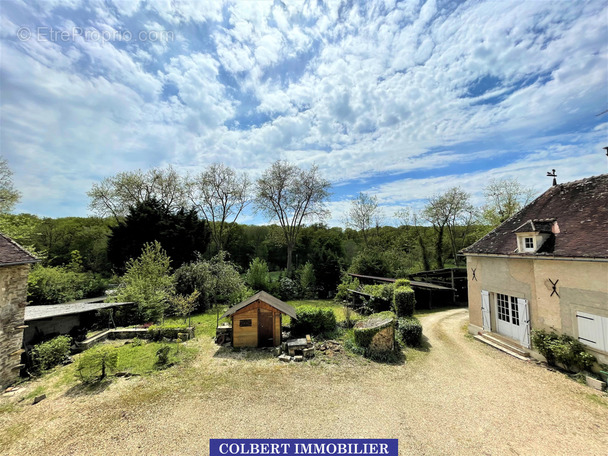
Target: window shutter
[(591, 330), (524, 322), (485, 310)]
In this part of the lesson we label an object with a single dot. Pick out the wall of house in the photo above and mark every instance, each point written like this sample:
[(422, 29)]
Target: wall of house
[(582, 286), (13, 299)]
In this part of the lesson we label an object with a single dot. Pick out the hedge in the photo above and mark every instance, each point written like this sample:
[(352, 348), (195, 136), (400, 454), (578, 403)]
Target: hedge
[(313, 320), (410, 330), (404, 302), (402, 283), (50, 353), (159, 332), (562, 349)]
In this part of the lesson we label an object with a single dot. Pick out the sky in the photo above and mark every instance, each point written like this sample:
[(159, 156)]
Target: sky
[(401, 100)]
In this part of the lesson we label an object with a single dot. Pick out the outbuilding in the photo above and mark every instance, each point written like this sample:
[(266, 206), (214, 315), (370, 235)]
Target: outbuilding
[(257, 321)]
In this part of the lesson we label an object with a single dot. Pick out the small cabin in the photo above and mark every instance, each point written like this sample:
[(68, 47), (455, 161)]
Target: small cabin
[(257, 321)]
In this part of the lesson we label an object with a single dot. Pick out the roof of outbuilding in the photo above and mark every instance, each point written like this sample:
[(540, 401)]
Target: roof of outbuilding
[(579, 208), (268, 299), (12, 253)]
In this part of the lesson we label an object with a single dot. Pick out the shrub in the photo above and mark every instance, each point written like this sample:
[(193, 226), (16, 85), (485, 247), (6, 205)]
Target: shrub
[(158, 333), (307, 281), (381, 296), (562, 349), (410, 330), (217, 280), (402, 283), (347, 283), (404, 302), (96, 363), (148, 282), (52, 285), (162, 356), (257, 276), (313, 320), (288, 289), (50, 353)]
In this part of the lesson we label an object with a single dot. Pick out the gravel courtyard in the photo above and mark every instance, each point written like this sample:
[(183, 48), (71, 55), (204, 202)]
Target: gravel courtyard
[(460, 397)]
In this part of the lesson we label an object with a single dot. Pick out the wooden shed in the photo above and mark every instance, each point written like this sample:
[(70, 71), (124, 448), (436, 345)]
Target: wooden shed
[(256, 322)]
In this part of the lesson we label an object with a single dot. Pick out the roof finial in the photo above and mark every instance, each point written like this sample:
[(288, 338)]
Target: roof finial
[(606, 149), (553, 175)]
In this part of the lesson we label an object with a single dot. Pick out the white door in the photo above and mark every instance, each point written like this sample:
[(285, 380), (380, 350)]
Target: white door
[(508, 319), (485, 311)]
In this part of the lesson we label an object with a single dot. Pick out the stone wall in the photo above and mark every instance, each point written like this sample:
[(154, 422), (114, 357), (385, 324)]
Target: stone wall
[(13, 299)]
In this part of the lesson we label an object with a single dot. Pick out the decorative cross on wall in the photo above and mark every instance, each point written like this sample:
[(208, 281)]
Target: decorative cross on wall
[(554, 284), (474, 270)]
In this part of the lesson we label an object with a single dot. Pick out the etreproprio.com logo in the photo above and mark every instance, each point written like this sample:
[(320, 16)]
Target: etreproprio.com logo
[(44, 33)]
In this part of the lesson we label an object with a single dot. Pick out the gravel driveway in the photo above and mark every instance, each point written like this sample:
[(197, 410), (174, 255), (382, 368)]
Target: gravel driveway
[(461, 397)]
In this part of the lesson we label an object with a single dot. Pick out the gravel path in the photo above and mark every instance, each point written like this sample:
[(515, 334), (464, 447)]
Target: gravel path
[(461, 397)]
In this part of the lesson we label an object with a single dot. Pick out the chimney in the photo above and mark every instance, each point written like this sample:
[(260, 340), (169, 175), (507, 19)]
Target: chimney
[(553, 175)]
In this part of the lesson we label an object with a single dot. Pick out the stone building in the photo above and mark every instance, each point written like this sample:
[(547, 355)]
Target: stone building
[(15, 264), (546, 268)]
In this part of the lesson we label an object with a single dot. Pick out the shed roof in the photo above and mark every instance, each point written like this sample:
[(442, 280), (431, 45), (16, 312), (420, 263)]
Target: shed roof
[(12, 253), (268, 299), (71, 308), (579, 208)]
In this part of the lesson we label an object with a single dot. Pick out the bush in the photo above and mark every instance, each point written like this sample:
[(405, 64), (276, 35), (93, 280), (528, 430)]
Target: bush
[(217, 280), (162, 356), (158, 333), (257, 276), (288, 289), (148, 283), (404, 302), (562, 349), (313, 320), (410, 331), (307, 281), (53, 285), (347, 283), (381, 296), (49, 354), (402, 283), (96, 363)]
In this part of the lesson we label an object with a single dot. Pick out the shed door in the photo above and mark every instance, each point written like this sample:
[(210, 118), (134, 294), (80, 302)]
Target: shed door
[(265, 328)]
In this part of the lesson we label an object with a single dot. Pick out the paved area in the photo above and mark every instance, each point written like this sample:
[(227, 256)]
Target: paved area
[(461, 398)]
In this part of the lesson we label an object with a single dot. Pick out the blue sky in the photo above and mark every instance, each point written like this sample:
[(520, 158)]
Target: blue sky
[(400, 100)]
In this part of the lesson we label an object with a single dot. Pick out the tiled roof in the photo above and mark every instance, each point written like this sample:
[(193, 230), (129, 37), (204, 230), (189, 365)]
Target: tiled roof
[(12, 253), (579, 208), (268, 299)]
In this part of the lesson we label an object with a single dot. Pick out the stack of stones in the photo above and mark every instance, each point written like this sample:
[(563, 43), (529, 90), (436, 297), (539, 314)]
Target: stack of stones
[(297, 350)]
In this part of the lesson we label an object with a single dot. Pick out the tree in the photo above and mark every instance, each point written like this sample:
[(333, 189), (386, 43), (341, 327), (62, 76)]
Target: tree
[(446, 211), (114, 195), (148, 282), (292, 195), (257, 276), (8, 195), (504, 198), (180, 233), (363, 214), (220, 194)]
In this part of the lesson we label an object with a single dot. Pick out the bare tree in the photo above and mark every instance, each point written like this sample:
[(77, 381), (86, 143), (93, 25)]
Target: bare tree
[(114, 195), (220, 194), (363, 214), (447, 211), (292, 195), (504, 197), (8, 195)]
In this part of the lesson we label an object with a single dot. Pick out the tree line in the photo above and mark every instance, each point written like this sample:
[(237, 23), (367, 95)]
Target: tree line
[(196, 217)]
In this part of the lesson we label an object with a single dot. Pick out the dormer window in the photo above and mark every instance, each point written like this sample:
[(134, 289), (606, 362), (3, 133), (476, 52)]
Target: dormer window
[(532, 234), (528, 243)]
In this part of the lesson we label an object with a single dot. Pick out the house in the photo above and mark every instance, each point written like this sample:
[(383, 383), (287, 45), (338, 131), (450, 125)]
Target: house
[(15, 264), (546, 267), (257, 321)]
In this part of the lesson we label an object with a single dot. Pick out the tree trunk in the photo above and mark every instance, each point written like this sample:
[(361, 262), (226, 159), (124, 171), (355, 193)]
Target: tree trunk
[(425, 256), (439, 248), (290, 247)]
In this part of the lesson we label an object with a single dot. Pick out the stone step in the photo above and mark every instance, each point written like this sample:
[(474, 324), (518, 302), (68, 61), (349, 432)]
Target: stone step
[(506, 344), (485, 340)]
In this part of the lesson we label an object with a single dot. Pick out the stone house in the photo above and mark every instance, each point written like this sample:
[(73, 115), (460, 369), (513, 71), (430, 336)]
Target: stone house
[(546, 267), (15, 264)]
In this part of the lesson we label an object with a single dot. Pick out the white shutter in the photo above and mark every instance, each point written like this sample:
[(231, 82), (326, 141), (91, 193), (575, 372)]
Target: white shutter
[(605, 331), (590, 330), (524, 322), (485, 310)]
